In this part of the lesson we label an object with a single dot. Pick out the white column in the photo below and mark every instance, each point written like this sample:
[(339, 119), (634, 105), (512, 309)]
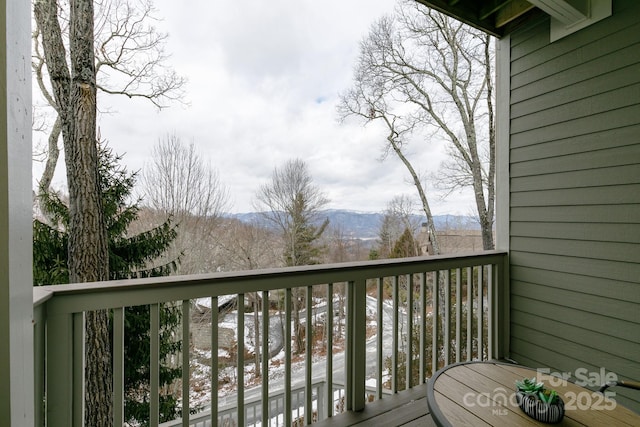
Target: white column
[(503, 192), (503, 98), (16, 287)]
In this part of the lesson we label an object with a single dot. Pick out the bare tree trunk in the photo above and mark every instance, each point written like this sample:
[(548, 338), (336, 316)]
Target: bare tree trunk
[(423, 196), (52, 157), (129, 46), (487, 227), (88, 245), (179, 183), (420, 70), (75, 94)]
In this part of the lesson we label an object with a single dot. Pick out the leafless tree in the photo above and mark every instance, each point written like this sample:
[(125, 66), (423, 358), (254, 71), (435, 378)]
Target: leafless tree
[(403, 208), (179, 183), (74, 90), (421, 71), (130, 60), (342, 246), (398, 217), (292, 203), (249, 246)]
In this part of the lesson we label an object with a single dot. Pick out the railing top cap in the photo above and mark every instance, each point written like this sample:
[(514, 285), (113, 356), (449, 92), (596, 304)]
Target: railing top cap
[(43, 293)]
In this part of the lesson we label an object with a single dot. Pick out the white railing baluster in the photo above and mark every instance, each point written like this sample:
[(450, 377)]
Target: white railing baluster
[(435, 315), (255, 413), (329, 370), (469, 313), (458, 314), (308, 410), (64, 314), (214, 362), (154, 364), (186, 359), (480, 311), (358, 326), (447, 317), (492, 310), (348, 349), (287, 358), (118, 366), (320, 403), (409, 358), (395, 334), (240, 360), (502, 330), (423, 328), (446, 333), (265, 357), (379, 336)]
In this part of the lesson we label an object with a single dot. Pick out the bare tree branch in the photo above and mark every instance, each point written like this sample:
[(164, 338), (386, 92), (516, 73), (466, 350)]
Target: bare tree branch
[(130, 59), (420, 71), (179, 183)]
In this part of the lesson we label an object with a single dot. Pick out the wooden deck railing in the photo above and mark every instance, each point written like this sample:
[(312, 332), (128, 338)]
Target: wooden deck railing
[(377, 327)]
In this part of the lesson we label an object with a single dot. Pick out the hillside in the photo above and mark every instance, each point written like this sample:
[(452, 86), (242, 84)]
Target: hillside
[(366, 225)]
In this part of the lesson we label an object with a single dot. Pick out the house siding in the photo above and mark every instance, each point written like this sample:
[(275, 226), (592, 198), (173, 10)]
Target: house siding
[(574, 161)]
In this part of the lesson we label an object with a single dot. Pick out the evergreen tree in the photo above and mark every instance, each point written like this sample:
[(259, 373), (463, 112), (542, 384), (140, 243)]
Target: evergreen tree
[(405, 246), (129, 256), (293, 206)]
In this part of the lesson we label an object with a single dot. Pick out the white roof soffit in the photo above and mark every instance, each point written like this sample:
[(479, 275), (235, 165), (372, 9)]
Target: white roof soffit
[(569, 16)]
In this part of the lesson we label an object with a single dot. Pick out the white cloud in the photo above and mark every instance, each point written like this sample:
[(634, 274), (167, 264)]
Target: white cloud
[(264, 79)]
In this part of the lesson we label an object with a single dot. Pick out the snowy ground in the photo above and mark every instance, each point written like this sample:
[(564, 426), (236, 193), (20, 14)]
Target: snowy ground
[(200, 390)]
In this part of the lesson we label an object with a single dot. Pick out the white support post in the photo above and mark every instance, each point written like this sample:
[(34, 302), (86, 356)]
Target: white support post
[(503, 210), (503, 105), (16, 283)]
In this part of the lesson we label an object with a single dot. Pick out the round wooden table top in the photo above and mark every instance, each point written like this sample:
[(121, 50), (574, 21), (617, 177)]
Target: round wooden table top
[(483, 394)]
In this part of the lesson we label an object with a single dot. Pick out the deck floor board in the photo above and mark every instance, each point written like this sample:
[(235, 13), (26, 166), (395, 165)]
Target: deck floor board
[(406, 408)]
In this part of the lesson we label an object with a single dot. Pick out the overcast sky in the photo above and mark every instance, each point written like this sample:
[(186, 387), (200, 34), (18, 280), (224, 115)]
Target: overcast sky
[(263, 84)]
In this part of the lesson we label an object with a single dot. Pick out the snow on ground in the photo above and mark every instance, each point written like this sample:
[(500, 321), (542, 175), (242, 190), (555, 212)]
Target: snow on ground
[(200, 389), (222, 300)]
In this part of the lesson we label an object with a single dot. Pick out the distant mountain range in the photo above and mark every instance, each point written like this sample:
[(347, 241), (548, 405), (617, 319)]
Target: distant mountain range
[(366, 225)]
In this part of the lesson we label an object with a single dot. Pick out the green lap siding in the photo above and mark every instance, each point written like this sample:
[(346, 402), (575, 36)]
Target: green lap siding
[(575, 197)]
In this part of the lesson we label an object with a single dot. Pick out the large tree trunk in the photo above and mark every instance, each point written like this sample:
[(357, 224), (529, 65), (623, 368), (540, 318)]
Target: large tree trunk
[(431, 226), (75, 94), (487, 229), (88, 245)]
